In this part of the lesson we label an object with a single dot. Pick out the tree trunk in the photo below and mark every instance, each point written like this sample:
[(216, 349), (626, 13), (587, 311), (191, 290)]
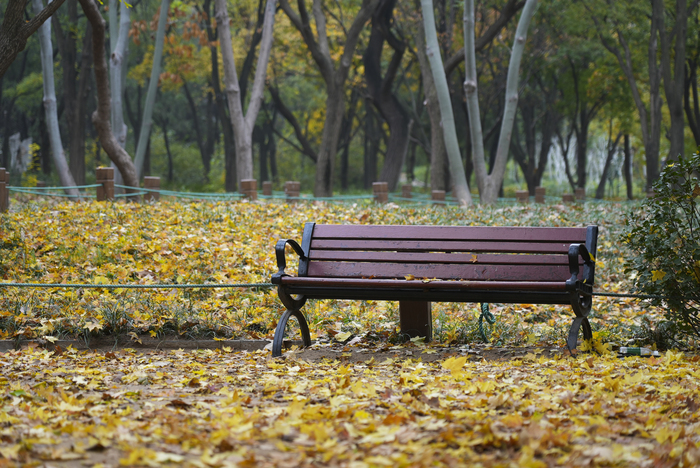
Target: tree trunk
[(380, 89), (438, 154), (650, 118), (490, 184), (627, 167), (59, 157), (147, 119), (243, 124), (691, 86), (334, 78), (674, 74), (461, 187), (612, 149), (230, 178), (101, 117), (15, 30)]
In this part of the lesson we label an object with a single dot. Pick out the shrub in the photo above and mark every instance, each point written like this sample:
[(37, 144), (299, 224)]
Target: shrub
[(665, 241)]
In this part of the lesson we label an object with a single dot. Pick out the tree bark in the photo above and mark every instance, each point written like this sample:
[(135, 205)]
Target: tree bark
[(490, 184), (438, 153), (504, 17), (15, 31), (333, 76), (59, 156), (147, 119), (101, 117), (461, 187), (380, 89), (674, 73), (627, 167), (692, 113), (612, 148), (243, 124)]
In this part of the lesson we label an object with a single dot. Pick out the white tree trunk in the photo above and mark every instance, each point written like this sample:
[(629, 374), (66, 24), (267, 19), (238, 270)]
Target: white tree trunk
[(59, 156), (243, 124), (461, 186), (147, 119), (490, 184)]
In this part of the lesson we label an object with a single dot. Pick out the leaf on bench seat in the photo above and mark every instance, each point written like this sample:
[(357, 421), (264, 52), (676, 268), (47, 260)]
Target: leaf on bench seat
[(409, 277)]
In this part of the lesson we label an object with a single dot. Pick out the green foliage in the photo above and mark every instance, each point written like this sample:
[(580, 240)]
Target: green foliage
[(666, 245)]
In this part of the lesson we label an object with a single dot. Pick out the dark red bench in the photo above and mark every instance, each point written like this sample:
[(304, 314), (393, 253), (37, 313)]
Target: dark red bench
[(416, 265)]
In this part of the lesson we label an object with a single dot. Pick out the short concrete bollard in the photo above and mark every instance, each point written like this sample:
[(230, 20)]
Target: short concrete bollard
[(151, 183), (381, 192), (292, 190), (105, 177), (567, 198), (267, 188), (580, 193), (406, 190), (540, 192), (4, 190), (438, 197), (249, 189), (522, 196)]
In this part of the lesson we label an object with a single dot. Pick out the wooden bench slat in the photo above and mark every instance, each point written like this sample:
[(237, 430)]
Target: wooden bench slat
[(439, 257), (442, 246), (474, 233), (554, 286), (465, 272)]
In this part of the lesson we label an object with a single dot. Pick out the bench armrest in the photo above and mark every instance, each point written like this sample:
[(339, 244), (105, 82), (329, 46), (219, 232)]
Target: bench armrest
[(281, 261), (576, 251)]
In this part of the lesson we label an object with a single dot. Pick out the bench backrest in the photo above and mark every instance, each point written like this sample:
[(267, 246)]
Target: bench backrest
[(443, 252)]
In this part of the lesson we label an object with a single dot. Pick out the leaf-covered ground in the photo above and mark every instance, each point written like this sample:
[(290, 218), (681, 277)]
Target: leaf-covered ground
[(172, 242), (222, 408), (439, 404)]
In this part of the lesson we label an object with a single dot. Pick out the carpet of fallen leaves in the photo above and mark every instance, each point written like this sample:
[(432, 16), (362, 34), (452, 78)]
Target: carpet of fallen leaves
[(216, 408), (222, 242), (435, 405)]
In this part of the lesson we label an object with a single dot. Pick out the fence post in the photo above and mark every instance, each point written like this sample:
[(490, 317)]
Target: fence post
[(438, 197), (292, 189), (580, 193), (380, 191), (522, 196), (249, 189), (539, 194), (151, 183), (4, 190), (267, 188), (406, 191), (105, 177)]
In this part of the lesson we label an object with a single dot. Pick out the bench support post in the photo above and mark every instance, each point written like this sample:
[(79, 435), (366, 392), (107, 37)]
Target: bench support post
[(416, 319)]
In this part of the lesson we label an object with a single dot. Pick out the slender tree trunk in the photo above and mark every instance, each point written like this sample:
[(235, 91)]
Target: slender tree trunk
[(461, 187), (59, 157), (490, 184), (230, 178), (438, 154), (627, 167), (243, 124), (101, 117), (650, 118), (147, 119), (692, 113), (612, 149)]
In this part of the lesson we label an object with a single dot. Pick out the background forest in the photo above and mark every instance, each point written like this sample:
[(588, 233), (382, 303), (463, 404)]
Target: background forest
[(607, 91)]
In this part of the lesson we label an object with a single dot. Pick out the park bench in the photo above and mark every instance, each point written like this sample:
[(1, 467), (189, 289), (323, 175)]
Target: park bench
[(417, 265)]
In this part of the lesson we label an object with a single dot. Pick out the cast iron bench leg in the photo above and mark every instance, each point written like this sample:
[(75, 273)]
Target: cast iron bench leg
[(282, 324)]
